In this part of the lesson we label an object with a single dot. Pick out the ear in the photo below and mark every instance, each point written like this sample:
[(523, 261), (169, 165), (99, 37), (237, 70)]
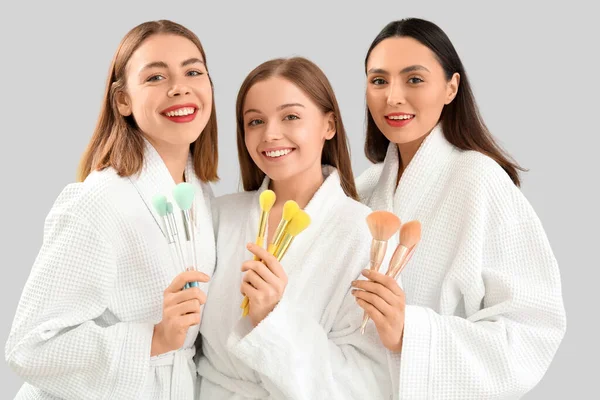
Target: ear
[(331, 126), (123, 103), (452, 87)]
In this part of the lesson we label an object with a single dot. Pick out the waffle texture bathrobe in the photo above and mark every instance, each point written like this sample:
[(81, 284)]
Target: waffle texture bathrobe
[(309, 347), (484, 314), (83, 327)]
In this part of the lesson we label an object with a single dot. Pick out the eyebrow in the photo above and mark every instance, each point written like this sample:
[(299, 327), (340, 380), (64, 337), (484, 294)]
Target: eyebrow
[(405, 70), (162, 64), (279, 108)]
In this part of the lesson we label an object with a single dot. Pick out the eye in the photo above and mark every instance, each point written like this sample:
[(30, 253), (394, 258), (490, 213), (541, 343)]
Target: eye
[(378, 81), (155, 78), (415, 80), (291, 117), (255, 122), (195, 73)]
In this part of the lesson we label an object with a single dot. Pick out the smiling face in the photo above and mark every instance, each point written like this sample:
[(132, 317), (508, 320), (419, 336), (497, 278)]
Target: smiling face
[(285, 130), (406, 89), (168, 91)]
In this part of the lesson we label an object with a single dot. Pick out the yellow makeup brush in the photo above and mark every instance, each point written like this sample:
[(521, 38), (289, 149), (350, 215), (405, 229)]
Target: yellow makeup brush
[(290, 209), (299, 223), (266, 199), (410, 235)]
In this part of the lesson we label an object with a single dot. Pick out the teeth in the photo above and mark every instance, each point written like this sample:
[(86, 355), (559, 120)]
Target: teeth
[(400, 116), (278, 153), (180, 112)]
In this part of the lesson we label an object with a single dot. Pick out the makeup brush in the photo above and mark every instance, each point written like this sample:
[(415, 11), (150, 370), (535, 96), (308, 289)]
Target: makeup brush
[(183, 194), (266, 200), (290, 208), (383, 225), (410, 235), (171, 226), (298, 223), (160, 205)]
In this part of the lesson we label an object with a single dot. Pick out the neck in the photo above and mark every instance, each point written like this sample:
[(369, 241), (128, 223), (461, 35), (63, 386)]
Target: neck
[(300, 188), (175, 158)]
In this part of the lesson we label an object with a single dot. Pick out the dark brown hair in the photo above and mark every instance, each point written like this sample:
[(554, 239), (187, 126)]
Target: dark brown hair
[(309, 78), (117, 141), (461, 121)]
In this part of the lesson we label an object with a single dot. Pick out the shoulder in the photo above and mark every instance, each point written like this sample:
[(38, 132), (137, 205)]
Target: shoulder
[(482, 183), (84, 199)]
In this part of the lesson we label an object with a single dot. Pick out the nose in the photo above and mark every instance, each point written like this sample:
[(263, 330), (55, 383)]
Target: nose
[(395, 95), (272, 132), (178, 89)]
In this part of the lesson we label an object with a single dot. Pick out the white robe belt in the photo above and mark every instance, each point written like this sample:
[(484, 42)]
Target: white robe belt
[(182, 360)]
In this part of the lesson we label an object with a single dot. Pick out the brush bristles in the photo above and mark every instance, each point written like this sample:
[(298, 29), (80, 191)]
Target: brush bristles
[(267, 199), (410, 234), (383, 224), (290, 208), (299, 223), (183, 194), (159, 202)]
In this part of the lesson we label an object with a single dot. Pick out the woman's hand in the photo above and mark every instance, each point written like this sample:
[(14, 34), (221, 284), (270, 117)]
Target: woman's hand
[(181, 309), (383, 300), (263, 283)]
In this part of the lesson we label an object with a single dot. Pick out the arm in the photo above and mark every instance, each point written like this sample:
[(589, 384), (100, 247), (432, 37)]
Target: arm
[(55, 343)]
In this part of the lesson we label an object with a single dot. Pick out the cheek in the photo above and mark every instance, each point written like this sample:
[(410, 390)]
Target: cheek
[(430, 101), (375, 100)]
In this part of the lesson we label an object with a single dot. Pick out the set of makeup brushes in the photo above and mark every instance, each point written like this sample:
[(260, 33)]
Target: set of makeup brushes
[(293, 222), (184, 260), (383, 225)]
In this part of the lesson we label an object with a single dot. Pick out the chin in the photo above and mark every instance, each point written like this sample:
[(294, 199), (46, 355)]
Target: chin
[(402, 137)]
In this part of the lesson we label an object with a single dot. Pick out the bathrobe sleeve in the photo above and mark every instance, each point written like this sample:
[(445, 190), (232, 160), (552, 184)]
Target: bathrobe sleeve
[(55, 343), (516, 321), (298, 359)]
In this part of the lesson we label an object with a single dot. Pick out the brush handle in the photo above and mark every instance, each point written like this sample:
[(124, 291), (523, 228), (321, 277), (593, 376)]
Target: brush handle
[(279, 253)]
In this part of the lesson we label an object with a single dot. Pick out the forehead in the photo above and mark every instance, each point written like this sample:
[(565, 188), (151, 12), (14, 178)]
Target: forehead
[(396, 53), (168, 48), (267, 95)]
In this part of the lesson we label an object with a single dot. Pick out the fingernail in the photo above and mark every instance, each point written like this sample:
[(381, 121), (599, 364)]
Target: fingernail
[(366, 272), (249, 245)]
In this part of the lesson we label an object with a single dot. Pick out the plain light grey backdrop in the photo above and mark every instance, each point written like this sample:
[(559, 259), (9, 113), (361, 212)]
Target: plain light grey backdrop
[(534, 68)]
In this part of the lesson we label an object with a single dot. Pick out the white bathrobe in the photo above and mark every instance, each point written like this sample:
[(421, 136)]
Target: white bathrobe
[(309, 347), (83, 327), (484, 314)]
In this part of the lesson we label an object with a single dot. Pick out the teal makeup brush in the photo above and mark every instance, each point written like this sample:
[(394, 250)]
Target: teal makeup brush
[(171, 220), (165, 210), (184, 197)]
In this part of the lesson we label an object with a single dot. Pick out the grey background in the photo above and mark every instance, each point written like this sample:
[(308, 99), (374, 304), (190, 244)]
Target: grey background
[(533, 67)]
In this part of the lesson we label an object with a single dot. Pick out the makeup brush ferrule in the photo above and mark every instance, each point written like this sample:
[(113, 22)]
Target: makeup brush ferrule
[(279, 232), (282, 249), (378, 249)]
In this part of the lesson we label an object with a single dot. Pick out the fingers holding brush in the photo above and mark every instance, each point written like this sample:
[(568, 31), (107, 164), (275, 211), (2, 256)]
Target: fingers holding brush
[(385, 303)]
